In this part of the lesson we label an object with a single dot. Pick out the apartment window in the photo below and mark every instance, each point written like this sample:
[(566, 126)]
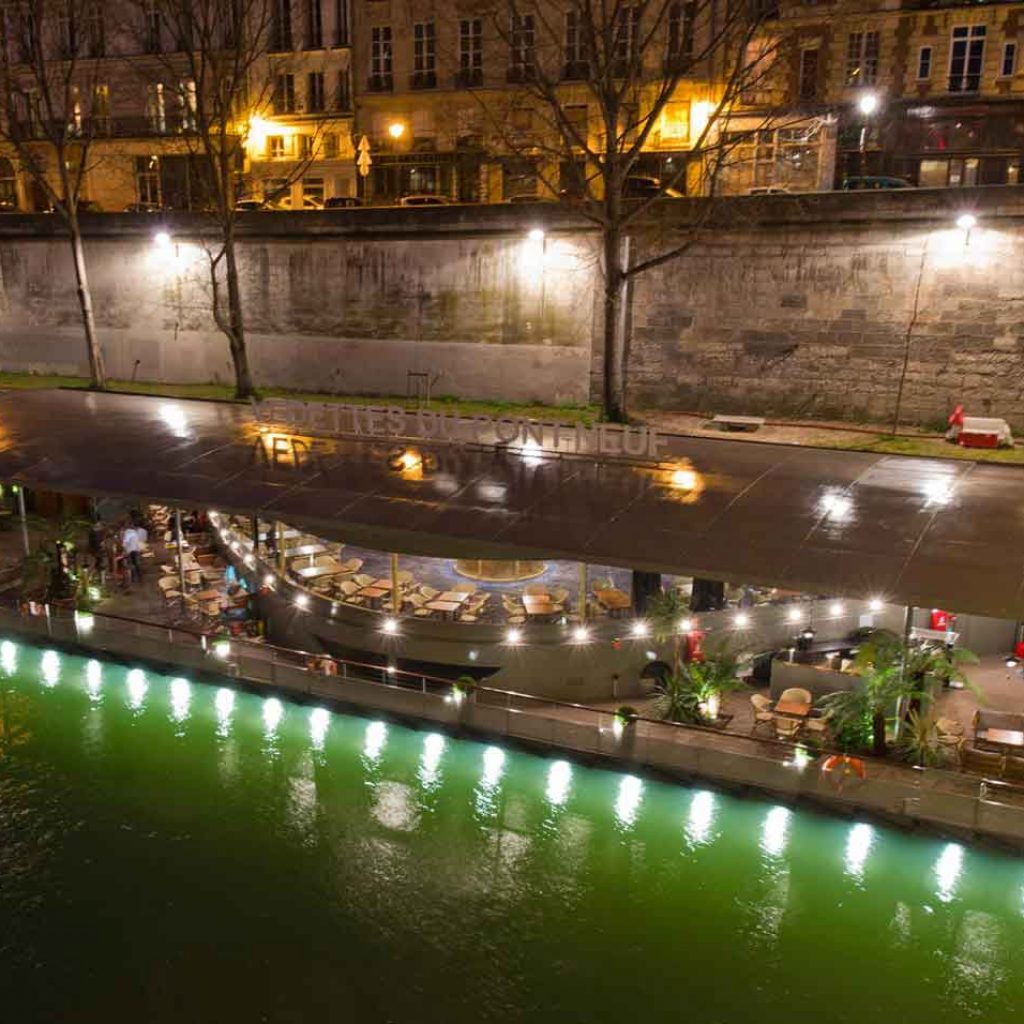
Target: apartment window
[(577, 64), (315, 92), (75, 111), (924, 63), (330, 147), (862, 59), (147, 180), (380, 59), (578, 119), (965, 58), (156, 114), (808, 85), (680, 35), (67, 29), (306, 147), (276, 147), (341, 22), (281, 26), (471, 54), (627, 35), (151, 29), (284, 94), (95, 30), (343, 93), (314, 25), (100, 109), (522, 49), (424, 56), (1009, 63), (187, 105)]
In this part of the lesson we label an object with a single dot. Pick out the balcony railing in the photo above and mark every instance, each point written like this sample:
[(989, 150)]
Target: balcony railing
[(467, 78), (380, 83), (423, 80), (108, 128)]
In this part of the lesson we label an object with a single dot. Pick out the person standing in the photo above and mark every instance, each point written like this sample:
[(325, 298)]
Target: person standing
[(132, 545)]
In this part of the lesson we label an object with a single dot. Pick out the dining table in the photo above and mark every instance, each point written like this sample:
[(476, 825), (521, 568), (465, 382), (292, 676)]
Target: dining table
[(792, 708), (446, 608), (314, 572)]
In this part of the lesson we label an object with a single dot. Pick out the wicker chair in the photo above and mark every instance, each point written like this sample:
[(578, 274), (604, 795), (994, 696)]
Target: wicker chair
[(762, 711)]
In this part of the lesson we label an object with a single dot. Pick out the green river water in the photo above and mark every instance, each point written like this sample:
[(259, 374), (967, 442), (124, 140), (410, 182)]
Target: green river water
[(171, 851)]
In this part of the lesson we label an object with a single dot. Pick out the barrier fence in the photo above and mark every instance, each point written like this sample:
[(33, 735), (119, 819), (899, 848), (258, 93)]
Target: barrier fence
[(936, 797)]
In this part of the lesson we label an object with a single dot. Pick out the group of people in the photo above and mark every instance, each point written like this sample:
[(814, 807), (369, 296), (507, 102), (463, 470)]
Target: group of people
[(117, 549)]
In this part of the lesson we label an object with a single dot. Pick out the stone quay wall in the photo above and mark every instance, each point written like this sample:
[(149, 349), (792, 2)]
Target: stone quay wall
[(802, 306)]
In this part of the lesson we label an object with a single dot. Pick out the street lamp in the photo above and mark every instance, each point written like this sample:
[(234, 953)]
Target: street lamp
[(867, 104), (396, 130)]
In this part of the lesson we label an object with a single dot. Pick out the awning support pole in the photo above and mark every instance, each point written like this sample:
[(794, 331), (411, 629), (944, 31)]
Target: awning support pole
[(396, 597), (181, 558), (24, 519), (583, 592)]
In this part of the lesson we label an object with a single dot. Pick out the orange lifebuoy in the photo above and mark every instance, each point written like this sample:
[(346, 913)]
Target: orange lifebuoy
[(839, 767)]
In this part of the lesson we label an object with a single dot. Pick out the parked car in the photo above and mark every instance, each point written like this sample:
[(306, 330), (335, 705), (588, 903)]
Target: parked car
[(342, 202), (307, 203), (861, 182), (84, 206), (424, 200), (248, 204), (9, 205), (143, 208), (529, 197), (767, 190), (639, 186)]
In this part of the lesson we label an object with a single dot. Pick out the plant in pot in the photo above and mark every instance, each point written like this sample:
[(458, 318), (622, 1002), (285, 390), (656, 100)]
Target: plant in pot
[(694, 691), (463, 688), (919, 742), (666, 610)]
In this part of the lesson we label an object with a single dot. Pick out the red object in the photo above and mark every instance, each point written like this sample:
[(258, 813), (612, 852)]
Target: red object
[(956, 417), (972, 440), (1018, 649), (941, 620), (694, 651)]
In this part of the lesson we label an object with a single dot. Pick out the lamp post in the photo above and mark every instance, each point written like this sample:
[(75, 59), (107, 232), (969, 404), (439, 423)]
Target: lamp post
[(867, 104)]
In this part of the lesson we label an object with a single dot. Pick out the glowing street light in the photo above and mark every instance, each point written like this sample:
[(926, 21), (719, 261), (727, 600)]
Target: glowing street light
[(396, 129), (536, 235), (162, 240), (868, 103), (966, 221)]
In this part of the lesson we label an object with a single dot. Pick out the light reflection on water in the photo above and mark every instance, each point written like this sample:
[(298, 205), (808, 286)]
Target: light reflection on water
[(513, 865), (9, 657), (50, 667)]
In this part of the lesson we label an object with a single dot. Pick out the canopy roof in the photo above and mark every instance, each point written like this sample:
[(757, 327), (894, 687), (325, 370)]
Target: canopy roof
[(930, 532)]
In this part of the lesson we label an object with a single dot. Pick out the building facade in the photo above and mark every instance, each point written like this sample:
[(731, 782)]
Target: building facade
[(943, 82)]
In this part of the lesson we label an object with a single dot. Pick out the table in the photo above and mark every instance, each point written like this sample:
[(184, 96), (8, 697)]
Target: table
[(314, 572), (306, 549), (614, 600), (373, 594), (381, 584), (792, 707), (452, 597), (1003, 737), (445, 607), (208, 595), (538, 604)]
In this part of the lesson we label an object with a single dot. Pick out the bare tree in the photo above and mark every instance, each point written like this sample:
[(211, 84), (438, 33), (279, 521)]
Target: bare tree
[(217, 59), (626, 64), (50, 55)]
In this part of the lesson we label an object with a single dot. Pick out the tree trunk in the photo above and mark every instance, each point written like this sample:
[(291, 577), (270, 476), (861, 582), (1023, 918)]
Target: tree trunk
[(236, 323), (878, 733), (614, 325), (96, 372)]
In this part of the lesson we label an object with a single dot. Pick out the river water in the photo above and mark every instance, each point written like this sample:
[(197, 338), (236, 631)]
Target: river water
[(173, 851)]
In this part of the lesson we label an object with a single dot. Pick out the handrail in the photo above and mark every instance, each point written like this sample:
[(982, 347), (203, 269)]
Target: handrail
[(392, 674)]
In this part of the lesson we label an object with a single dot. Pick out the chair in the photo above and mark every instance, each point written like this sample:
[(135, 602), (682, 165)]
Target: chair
[(429, 592), (819, 724), (535, 590), (559, 595), (464, 588), (468, 617), (1013, 769), (404, 577), (362, 579), (796, 695), (762, 710), (786, 728), (516, 620), (981, 761), (949, 733)]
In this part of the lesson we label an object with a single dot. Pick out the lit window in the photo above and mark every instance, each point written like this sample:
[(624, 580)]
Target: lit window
[(924, 63)]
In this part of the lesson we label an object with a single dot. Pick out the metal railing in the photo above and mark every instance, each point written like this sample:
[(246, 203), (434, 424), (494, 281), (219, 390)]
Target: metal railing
[(932, 795)]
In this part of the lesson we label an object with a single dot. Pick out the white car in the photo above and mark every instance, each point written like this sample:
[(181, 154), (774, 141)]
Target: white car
[(425, 199), (308, 203)]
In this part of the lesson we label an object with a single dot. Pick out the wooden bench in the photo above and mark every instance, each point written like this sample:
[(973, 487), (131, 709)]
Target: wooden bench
[(725, 421)]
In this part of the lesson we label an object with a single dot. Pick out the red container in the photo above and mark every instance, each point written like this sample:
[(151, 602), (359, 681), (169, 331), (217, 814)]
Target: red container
[(940, 620), (972, 440), (1018, 650)]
